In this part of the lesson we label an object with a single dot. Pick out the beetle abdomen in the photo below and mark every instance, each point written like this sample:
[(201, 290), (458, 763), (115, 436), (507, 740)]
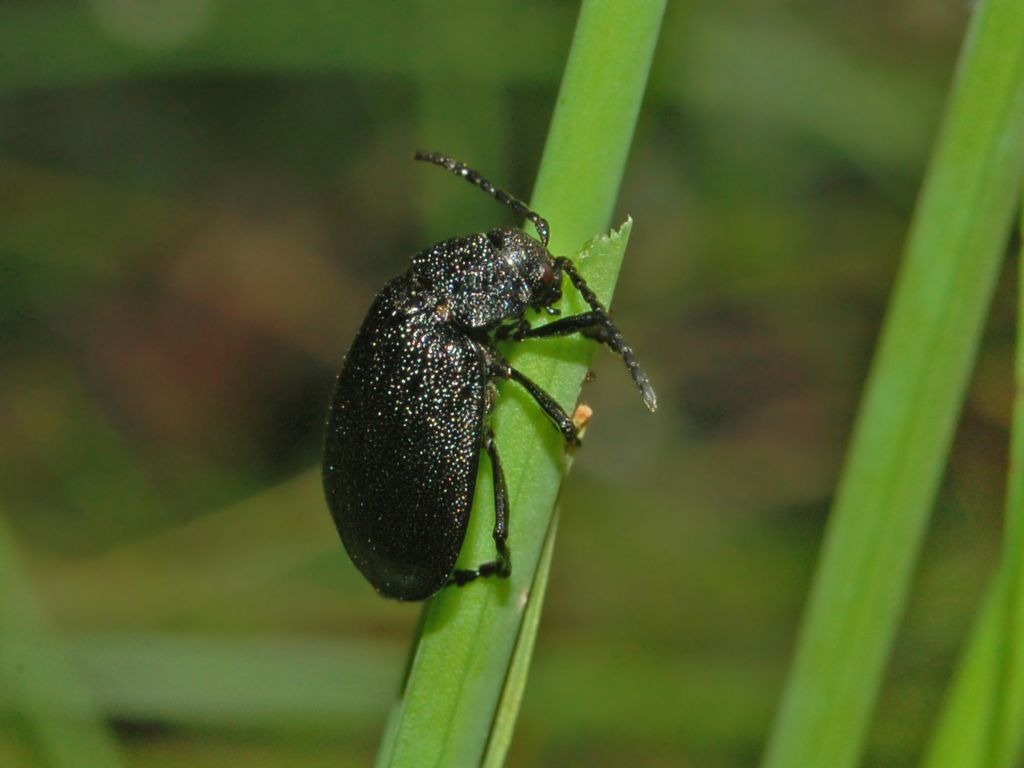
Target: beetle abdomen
[(402, 444)]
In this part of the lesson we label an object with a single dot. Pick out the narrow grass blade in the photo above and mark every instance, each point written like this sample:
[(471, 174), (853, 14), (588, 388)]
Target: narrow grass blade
[(519, 668), (461, 661), (1006, 729), (912, 402), (983, 720)]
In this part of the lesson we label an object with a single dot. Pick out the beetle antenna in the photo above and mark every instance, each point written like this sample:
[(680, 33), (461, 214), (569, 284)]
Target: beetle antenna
[(460, 169), (608, 333)]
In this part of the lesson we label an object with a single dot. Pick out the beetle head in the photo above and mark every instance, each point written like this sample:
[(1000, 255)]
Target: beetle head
[(483, 280), (535, 278)]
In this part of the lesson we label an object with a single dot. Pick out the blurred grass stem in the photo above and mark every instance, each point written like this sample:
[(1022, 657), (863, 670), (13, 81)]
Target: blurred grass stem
[(913, 399), (982, 722), (43, 687)]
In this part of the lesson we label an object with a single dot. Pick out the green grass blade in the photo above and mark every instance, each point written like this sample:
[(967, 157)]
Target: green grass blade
[(519, 668), (963, 734), (519, 665), (39, 680), (912, 402), (983, 720), (1007, 725), (205, 681), (459, 667)]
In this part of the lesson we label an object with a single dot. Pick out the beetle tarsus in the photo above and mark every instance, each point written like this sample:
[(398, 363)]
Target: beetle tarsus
[(597, 325), (502, 567)]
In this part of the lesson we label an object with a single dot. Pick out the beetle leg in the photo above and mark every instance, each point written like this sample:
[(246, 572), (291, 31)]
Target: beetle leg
[(548, 404), (500, 368), (610, 336), (592, 324), (597, 325), (516, 330), (501, 567)]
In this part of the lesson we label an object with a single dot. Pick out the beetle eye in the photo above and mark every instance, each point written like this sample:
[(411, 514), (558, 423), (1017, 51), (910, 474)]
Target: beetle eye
[(547, 276), (496, 239)]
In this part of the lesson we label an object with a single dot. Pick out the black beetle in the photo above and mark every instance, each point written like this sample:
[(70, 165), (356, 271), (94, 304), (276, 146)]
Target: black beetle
[(407, 419)]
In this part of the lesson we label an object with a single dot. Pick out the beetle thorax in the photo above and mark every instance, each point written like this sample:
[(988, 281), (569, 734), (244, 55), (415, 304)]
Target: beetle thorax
[(484, 279)]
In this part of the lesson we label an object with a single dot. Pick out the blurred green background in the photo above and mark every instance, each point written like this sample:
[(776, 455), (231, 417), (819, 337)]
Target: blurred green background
[(198, 200)]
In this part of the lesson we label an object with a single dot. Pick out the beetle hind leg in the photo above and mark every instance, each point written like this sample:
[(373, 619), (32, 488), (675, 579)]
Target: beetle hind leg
[(502, 566)]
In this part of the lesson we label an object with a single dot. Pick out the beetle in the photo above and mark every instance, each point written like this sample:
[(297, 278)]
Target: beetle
[(407, 420)]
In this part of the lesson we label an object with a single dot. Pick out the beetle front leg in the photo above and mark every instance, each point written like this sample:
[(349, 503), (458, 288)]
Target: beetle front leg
[(515, 330), (502, 567), (593, 324), (597, 325)]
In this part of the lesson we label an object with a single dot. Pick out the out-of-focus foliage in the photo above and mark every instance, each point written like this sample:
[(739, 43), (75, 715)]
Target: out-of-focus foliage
[(899, 450), (197, 202)]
